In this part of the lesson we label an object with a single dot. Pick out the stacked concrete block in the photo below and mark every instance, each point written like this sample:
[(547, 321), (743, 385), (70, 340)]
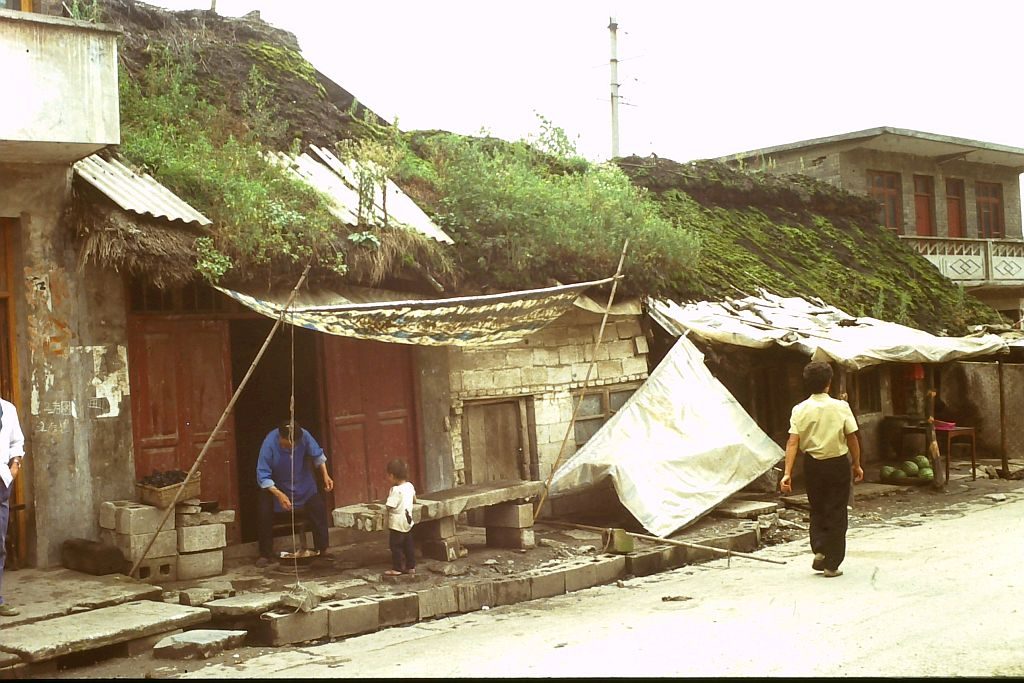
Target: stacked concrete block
[(510, 525), (438, 539), (201, 537), (129, 526)]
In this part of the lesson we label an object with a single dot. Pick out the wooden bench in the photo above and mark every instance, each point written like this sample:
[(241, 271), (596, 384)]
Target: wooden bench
[(508, 516)]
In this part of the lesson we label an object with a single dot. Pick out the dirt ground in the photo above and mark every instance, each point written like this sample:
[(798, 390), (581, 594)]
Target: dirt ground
[(363, 563)]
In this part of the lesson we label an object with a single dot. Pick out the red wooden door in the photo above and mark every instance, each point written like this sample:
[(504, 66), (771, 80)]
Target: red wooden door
[(924, 205), (955, 207), (180, 375), (369, 403)]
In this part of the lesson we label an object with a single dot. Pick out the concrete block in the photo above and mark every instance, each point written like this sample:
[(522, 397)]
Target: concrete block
[(245, 605), (509, 515), (286, 628), (743, 509), (500, 537), (446, 550), (352, 617), (136, 518), (511, 590), (579, 574), (641, 345), (630, 366), (200, 565), (91, 557), (398, 608), (436, 530), (545, 583), (474, 595), (437, 601), (108, 512), (645, 562), (195, 597), (133, 545), (194, 539), (140, 646), (199, 518), (476, 517), (197, 644), (157, 570), (609, 568)]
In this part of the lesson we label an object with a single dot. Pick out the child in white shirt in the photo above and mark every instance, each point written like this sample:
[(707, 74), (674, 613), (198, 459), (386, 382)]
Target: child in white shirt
[(399, 505)]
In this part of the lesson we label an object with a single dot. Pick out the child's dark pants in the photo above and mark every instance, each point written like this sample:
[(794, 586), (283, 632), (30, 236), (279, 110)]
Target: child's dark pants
[(828, 491), (403, 551)]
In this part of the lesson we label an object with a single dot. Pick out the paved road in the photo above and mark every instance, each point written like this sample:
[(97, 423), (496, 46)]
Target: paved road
[(934, 596)]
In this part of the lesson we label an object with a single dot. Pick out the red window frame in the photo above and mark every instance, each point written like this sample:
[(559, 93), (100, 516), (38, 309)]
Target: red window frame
[(989, 198), (924, 205), (956, 206), (887, 188)]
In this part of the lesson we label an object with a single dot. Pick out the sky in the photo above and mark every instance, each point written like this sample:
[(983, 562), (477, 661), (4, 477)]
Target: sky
[(698, 79)]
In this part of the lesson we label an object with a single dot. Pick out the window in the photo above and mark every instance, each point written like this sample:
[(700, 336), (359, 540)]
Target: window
[(191, 298), (924, 205), (866, 391), (955, 208), (887, 189), (990, 209), (598, 405)]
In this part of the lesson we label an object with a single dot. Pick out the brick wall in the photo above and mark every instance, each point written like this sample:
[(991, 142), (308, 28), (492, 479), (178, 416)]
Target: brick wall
[(546, 369)]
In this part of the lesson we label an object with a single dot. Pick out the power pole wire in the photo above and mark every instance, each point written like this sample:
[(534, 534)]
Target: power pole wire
[(612, 28)]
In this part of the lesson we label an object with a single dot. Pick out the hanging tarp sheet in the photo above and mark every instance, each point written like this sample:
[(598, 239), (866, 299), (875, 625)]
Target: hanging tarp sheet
[(679, 446), (821, 331), (488, 320)]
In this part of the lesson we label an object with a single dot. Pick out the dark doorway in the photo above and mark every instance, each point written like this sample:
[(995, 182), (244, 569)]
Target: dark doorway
[(264, 403)]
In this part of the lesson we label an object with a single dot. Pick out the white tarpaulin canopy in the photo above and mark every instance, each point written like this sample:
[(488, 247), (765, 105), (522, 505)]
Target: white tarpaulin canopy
[(679, 446), (824, 332), (487, 320)]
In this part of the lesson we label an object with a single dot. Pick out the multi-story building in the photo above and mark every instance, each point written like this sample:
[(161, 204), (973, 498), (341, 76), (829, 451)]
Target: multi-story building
[(955, 201)]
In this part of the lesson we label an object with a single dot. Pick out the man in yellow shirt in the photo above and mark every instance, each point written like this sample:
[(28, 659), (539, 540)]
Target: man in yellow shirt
[(824, 429)]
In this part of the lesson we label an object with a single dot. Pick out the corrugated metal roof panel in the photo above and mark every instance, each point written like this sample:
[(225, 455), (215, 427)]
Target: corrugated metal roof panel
[(137, 193), (402, 211)]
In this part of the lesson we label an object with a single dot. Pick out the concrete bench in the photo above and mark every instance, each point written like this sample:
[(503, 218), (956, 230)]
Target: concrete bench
[(508, 517)]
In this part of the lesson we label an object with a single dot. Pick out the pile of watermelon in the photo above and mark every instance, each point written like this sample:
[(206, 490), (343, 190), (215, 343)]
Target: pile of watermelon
[(916, 471)]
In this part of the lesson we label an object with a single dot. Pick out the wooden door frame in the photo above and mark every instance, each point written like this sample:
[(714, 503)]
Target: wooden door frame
[(527, 439), (7, 227)]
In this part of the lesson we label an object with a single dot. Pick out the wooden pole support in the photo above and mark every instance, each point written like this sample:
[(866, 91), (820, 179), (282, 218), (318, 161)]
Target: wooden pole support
[(586, 380)]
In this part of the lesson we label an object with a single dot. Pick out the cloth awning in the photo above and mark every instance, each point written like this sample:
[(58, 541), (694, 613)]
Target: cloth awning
[(679, 446), (821, 331), (486, 320)]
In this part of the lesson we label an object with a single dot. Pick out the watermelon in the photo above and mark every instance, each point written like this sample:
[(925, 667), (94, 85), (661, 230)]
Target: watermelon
[(887, 471), (898, 474), (926, 473), (922, 462), (910, 468)]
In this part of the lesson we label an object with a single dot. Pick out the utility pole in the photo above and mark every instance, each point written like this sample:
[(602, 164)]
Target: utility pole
[(213, 6), (612, 28)]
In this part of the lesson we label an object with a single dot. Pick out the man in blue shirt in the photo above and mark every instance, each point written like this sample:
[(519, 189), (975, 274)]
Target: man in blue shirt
[(286, 482)]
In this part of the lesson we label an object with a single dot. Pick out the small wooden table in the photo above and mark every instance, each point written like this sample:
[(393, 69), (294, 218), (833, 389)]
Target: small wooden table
[(955, 433)]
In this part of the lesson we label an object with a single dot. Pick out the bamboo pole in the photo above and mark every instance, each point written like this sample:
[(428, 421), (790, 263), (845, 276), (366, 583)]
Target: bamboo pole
[(223, 419), (1002, 424), (586, 380), (671, 541)]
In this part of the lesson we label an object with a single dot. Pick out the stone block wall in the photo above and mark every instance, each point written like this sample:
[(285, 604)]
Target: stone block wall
[(546, 368)]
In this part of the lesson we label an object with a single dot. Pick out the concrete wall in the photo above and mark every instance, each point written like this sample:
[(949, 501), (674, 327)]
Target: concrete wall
[(72, 359), (972, 389), (548, 367), (848, 170), (856, 163), (62, 75)]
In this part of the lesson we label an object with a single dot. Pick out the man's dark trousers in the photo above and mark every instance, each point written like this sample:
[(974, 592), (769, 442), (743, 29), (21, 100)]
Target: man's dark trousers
[(314, 511), (828, 491)]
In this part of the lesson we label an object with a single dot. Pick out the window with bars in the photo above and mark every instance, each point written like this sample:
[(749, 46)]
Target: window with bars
[(598, 405), (887, 188), (194, 297), (989, 197)]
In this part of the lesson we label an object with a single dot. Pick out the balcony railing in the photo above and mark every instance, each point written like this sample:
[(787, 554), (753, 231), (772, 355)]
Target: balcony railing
[(973, 261)]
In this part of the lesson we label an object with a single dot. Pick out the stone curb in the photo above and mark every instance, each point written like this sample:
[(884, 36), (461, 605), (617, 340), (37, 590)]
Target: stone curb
[(557, 578)]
